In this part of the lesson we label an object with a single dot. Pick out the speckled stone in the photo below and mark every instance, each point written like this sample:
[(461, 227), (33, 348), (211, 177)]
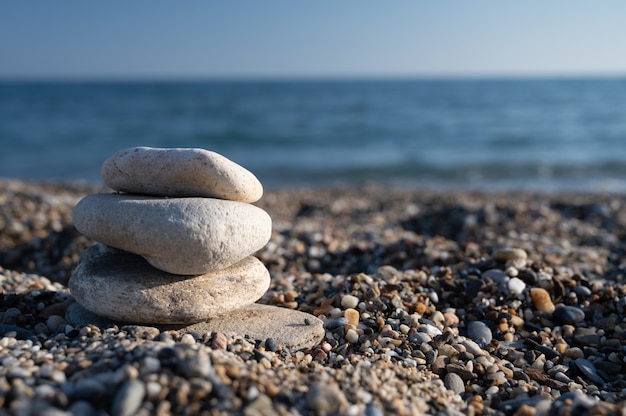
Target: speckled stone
[(123, 286), (180, 172), (292, 329), (178, 235)]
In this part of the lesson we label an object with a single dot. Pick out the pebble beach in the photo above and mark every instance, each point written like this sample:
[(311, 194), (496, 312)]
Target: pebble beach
[(433, 302)]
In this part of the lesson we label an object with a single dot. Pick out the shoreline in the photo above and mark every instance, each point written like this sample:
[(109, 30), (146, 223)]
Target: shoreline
[(79, 185), (448, 322)]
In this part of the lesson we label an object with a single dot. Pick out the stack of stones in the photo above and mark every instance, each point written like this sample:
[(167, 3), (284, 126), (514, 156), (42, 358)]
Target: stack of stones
[(176, 244)]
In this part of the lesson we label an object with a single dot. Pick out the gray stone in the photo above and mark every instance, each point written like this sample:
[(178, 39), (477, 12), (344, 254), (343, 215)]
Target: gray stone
[(56, 324), (187, 236), (570, 315), (582, 292), (197, 364), (262, 405), (123, 286), (472, 347), (587, 368), (494, 275), (480, 333), (128, 398), (324, 398), (292, 329), (81, 407), (511, 405), (372, 409), (455, 383), (180, 172)]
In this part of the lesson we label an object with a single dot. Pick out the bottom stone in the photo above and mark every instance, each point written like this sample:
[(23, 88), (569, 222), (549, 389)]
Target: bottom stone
[(123, 286), (295, 330)]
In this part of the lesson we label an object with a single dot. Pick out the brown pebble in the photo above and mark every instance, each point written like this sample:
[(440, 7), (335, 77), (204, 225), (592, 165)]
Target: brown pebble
[(270, 389), (478, 406), (516, 321), (352, 315), (561, 347), (574, 352), (291, 295), (420, 308), (506, 254), (541, 300), (57, 308), (219, 341), (526, 410), (450, 319), (325, 306)]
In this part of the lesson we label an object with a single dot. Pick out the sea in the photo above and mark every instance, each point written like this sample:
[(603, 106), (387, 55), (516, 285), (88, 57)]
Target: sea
[(455, 134)]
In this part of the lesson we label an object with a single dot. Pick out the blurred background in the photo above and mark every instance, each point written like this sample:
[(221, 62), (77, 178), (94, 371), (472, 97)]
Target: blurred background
[(457, 95)]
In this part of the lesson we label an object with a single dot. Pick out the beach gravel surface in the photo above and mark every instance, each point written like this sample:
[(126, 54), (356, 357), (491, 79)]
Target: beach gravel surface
[(430, 302)]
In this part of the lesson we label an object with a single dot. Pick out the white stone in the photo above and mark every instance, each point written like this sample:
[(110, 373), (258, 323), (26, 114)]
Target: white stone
[(119, 285), (352, 336), (180, 172), (516, 285), (187, 236), (349, 301)]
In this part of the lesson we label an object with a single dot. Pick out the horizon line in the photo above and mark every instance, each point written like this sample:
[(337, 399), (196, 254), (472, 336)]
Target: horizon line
[(339, 77)]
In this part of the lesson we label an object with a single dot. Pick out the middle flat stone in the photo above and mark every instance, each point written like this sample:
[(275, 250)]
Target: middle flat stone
[(119, 285), (187, 236)]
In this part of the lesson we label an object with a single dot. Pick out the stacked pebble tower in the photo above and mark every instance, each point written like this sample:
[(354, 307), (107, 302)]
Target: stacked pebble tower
[(175, 241)]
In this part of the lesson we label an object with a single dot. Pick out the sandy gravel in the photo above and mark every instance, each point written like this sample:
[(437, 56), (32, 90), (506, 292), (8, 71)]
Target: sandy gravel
[(433, 303)]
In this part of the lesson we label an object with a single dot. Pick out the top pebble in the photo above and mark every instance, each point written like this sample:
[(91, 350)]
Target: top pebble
[(180, 172)]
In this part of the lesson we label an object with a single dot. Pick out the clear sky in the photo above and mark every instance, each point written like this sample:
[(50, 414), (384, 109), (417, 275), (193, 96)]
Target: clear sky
[(290, 38)]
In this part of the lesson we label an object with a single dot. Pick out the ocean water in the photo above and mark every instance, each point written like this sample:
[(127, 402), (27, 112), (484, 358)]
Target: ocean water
[(547, 135)]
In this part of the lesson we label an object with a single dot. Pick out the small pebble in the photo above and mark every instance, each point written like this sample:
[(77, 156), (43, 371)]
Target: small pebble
[(128, 398), (56, 324), (352, 315), (372, 409), (271, 345), (349, 301), (516, 285), (480, 333), (455, 383), (325, 399), (589, 370), (506, 254), (541, 300), (570, 315), (197, 364), (352, 336), (188, 339)]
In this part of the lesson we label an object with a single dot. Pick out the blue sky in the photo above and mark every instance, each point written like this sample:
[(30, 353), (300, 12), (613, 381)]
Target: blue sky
[(274, 38)]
